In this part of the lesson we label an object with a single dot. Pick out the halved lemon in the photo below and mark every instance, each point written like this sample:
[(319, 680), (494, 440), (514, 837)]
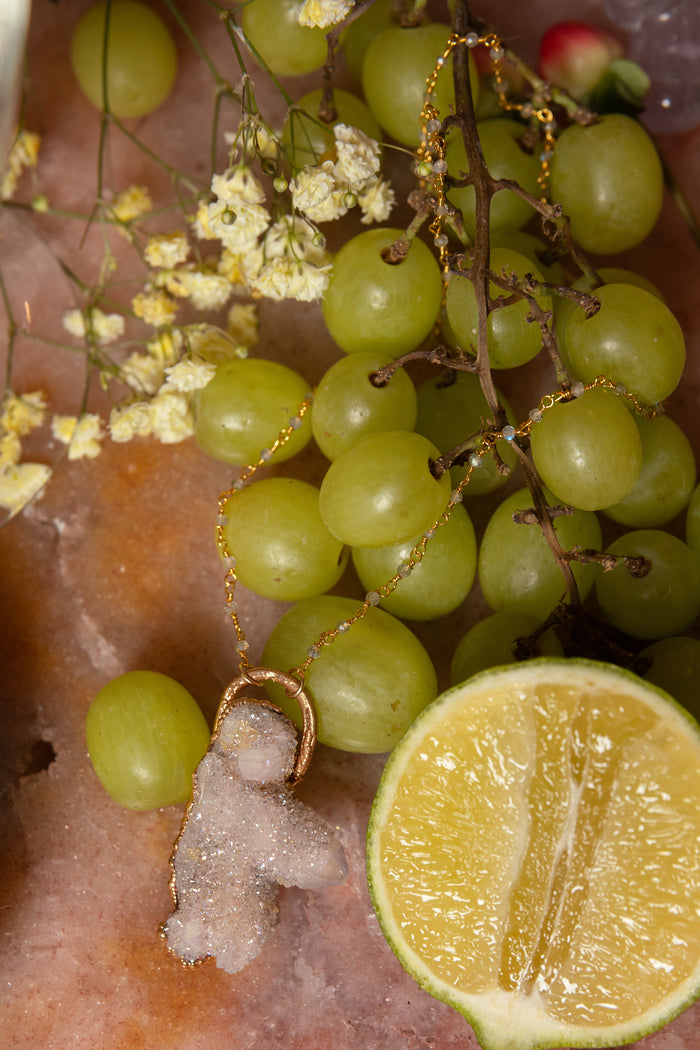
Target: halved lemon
[(534, 854)]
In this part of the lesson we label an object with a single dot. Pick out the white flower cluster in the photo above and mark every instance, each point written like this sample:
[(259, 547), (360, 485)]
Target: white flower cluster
[(323, 13), (328, 190)]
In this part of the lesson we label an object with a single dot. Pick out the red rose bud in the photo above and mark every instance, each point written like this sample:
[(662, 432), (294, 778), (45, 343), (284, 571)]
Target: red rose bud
[(574, 56)]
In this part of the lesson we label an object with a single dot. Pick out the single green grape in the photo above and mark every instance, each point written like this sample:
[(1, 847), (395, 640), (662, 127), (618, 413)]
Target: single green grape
[(517, 570), (141, 58), (145, 736), (449, 410), (374, 305), (367, 686), (633, 339), (676, 668), (588, 451), (692, 523), (664, 602), (511, 340), (506, 158), (608, 178), (491, 643), (362, 31), (309, 141), (565, 308), (666, 480), (381, 491), (243, 408), (287, 48), (348, 404), (440, 581), (397, 63), (282, 548)]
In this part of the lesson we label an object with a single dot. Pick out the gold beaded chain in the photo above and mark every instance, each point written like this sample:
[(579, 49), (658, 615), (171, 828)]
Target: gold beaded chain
[(430, 154), (487, 441)]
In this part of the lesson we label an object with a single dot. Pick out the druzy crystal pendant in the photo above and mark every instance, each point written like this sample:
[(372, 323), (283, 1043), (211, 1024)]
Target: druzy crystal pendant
[(245, 833)]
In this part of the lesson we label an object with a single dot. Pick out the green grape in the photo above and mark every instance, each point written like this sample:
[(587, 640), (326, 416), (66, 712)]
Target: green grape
[(367, 686), (347, 404), (449, 410), (505, 158), (692, 523), (381, 491), (565, 308), (664, 602), (145, 736), (490, 643), (608, 178), (511, 340), (287, 48), (243, 408), (282, 548), (362, 31), (667, 478), (517, 570), (437, 584), (588, 451), (309, 141), (397, 64), (633, 339), (374, 305), (141, 58), (676, 668)]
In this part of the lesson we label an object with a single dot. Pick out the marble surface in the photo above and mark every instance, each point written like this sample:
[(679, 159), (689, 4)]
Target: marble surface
[(115, 568)]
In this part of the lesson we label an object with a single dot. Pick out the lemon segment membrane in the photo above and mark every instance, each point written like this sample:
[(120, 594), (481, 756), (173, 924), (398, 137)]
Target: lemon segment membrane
[(534, 854)]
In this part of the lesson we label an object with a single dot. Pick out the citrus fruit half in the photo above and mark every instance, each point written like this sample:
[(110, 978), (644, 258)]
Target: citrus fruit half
[(534, 854)]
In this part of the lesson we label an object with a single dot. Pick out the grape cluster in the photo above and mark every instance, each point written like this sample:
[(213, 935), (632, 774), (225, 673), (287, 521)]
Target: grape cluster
[(406, 456)]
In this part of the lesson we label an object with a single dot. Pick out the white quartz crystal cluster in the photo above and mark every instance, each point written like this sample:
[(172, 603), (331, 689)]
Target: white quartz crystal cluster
[(246, 833)]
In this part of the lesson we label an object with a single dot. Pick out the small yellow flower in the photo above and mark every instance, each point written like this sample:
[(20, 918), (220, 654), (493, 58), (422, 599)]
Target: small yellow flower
[(143, 372), (23, 155), (172, 418), (230, 266), (242, 323), (131, 204), (106, 328), (10, 450), (206, 291), (130, 421), (83, 436), (166, 347), (21, 483), (188, 375), (167, 250), (24, 413), (323, 13), (155, 308)]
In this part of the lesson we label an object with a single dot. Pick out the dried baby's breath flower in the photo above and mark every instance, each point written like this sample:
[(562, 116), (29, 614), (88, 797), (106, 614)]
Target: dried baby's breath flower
[(143, 372), (238, 229), (10, 450), (129, 421), (317, 193), (376, 201), (21, 483), (22, 413), (238, 186), (213, 345), (106, 328), (188, 375), (154, 307), (171, 417), (323, 13), (23, 155), (83, 435), (242, 323), (167, 250), (206, 291), (292, 279), (131, 204), (358, 156)]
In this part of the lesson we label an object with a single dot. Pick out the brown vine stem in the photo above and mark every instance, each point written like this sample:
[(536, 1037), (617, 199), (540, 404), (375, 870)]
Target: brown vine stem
[(481, 181)]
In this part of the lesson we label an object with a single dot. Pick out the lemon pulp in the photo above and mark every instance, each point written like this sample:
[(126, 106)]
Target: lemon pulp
[(534, 854)]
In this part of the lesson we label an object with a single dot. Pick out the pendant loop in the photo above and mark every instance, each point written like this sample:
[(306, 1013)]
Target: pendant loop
[(295, 690)]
